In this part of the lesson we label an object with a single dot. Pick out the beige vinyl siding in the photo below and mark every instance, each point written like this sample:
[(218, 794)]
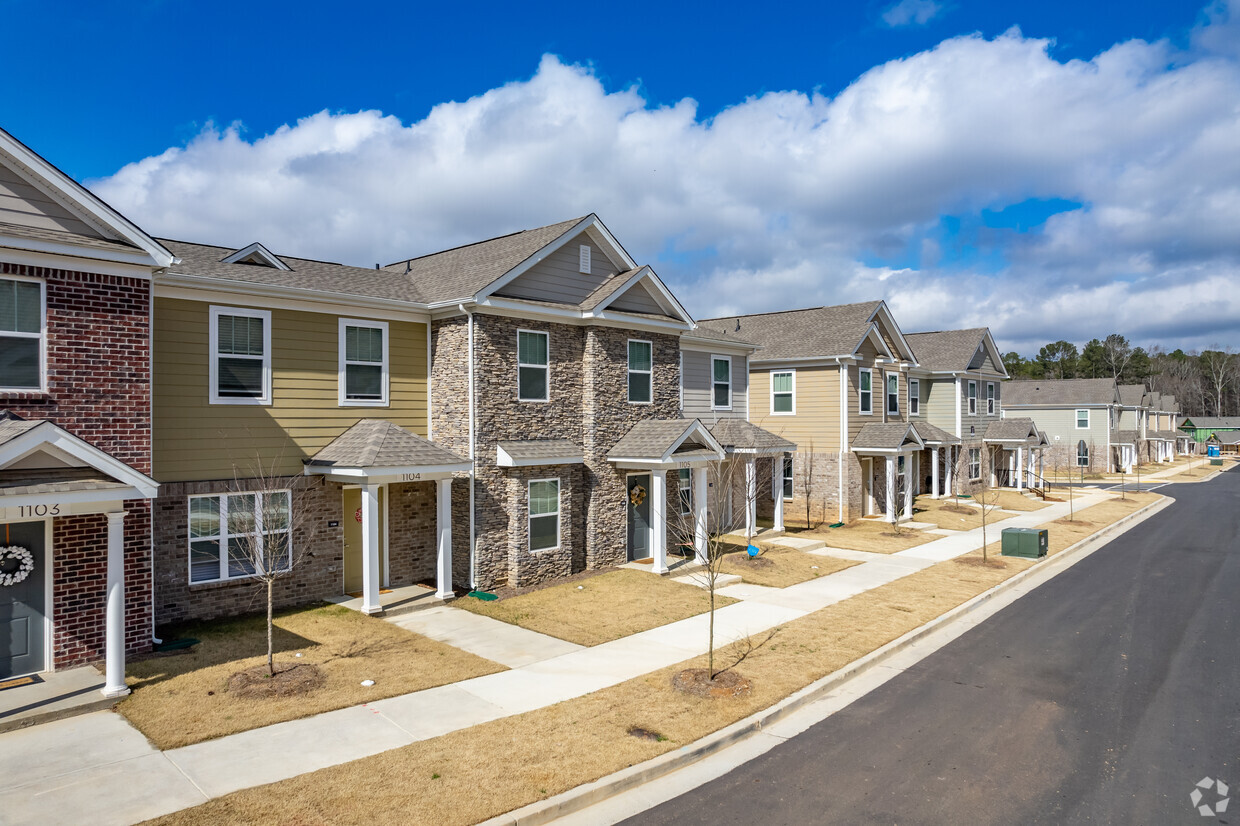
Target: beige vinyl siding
[(983, 363), (557, 278), (27, 206), (939, 408), (195, 440), (855, 419), (1128, 420), (817, 420), (1061, 422), (637, 299), (697, 387)]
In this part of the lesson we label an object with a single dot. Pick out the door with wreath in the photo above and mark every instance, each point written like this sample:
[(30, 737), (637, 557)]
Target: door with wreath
[(23, 614), (639, 516)]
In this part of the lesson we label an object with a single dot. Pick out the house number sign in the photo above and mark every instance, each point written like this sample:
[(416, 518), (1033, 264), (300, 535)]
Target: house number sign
[(410, 477), (37, 510)]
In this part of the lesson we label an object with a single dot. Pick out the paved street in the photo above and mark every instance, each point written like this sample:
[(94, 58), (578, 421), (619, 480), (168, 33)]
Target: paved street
[(1101, 697)]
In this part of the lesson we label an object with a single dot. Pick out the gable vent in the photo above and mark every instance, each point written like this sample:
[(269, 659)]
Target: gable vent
[(583, 258)]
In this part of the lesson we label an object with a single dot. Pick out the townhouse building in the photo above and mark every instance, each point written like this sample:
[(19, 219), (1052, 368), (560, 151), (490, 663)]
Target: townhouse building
[(1165, 440), (1080, 419)]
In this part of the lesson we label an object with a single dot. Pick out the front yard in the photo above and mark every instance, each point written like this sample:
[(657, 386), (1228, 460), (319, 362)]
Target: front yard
[(946, 514), (184, 698), (873, 535), (779, 567)]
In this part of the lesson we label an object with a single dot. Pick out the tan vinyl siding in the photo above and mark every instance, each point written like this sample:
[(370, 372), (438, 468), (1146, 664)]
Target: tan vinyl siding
[(855, 419), (639, 300), (939, 408), (27, 206), (195, 440), (697, 387), (557, 277), (817, 420)]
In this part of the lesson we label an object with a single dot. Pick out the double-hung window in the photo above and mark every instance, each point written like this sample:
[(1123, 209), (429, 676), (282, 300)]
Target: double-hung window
[(240, 341), (236, 535), (544, 503), (914, 397), (363, 363), (1082, 419), (783, 392), (721, 382), (640, 371), (685, 480), (893, 394), (975, 463), (533, 379), (787, 477), (865, 391), (21, 334), (972, 398), (990, 398)]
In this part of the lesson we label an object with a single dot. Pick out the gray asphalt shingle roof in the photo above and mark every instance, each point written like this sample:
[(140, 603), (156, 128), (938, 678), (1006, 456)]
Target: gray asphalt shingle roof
[(542, 451), (1125, 437), (1132, 395), (64, 237), (652, 438), (944, 350), (1011, 430), (376, 443), (931, 434), (56, 480), (1227, 437), (881, 436), (1207, 422), (1055, 392), (738, 434), (722, 336), (818, 331)]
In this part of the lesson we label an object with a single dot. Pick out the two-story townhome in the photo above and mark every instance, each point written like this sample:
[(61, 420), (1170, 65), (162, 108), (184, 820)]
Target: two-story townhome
[(1134, 419), (1163, 434), (1080, 420), (75, 438), (834, 381)]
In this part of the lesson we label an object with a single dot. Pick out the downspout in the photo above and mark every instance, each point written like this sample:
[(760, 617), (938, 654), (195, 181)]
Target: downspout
[(150, 411), (844, 412), (473, 582)]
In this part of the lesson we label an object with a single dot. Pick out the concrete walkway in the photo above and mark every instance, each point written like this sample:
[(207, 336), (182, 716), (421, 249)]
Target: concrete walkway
[(79, 761)]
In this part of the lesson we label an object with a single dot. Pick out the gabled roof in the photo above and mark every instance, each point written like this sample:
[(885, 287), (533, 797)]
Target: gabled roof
[(79, 465), (1125, 437), (1006, 431), (664, 440), (1226, 437), (377, 444), (888, 437), (932, 435), (256, 254), (1132, 395), (1209, 422), (739, 436), (1059, 392), (952, 351), (817, 332)]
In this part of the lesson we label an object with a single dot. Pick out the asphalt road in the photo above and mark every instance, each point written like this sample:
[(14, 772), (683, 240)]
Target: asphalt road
[(1103, 696)]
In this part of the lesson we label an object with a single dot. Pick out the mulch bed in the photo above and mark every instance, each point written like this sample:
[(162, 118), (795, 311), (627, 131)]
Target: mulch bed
[(290, 681), (964, 509), (697, 681), (756, 563)]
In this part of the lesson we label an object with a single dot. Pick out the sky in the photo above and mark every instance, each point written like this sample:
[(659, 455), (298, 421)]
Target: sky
[(1050, 170)]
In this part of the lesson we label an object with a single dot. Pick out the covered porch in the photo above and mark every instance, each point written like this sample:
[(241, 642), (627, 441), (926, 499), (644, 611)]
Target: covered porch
[(746, 443), (941, 455), (368, 458), (886, 452), (1017, 450), (1124, 456)]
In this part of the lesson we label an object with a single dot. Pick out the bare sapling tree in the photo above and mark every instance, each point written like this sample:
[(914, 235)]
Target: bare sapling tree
[(807, 482), (987, 499)]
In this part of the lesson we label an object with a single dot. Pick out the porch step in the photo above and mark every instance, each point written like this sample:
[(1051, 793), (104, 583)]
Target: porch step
[(62, 694)]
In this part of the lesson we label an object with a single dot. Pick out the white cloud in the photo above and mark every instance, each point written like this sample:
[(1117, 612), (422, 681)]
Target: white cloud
[(781, 200), (912, 12)]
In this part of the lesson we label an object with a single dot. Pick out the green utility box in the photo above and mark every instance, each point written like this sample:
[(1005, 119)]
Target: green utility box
[(1216, 461), (1030, 543)]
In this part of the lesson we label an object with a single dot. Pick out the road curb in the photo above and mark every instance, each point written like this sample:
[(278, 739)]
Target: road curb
[(589, 794)]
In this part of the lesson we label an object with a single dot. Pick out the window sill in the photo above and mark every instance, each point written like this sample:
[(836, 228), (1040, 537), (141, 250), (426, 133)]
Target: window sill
[(240, 401), (361, 403), (215, 584)]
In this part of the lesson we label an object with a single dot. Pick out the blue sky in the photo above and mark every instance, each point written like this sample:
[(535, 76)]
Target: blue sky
[(913, 150)]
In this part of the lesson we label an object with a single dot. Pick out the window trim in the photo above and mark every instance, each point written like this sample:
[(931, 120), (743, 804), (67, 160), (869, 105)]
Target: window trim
[(792, 393), (222, 536), (546, 367), (867, 395), (789, 478), (684, 485), (991, 397), (714, 382), (342, 364), (213, 346), (971, 395), (41, 335), (914, 397), (1082, 454), (1077, 418), (972, 452), (630, 371), (530, 516), (888, 375)]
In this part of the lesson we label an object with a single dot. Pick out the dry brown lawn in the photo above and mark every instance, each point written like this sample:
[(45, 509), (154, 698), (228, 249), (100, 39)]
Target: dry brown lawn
[(478, 773), (942, 512), (781, 567), (599, 609), (870, 535), (1010, 500), (183, 699), (1196, 473)]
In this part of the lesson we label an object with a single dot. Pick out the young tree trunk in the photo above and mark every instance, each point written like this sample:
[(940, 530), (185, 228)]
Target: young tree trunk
[(271, 668), (710, 636)]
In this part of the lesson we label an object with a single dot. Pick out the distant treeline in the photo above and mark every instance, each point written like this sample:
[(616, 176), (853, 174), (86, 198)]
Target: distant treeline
[(1204, 384)]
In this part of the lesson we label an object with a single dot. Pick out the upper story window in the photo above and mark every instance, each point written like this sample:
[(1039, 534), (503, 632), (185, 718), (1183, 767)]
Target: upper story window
[(914, 397), (236, 535), (972, 398), (865, 391), (783, 392), (990, 398), (544, 505), (893, 394), (21, 334), (363, 362), (533, 367), (640, 371), (240, 341), (1082, 419), (721, 382)]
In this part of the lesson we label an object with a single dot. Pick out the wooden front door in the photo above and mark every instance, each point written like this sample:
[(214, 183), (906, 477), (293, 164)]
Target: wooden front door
[(352, 524), (23, 608)]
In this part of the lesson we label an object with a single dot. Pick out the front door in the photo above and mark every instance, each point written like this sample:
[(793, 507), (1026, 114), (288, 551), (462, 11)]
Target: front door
[(639, 516), (353, 540), (23, 609), (867, 483)]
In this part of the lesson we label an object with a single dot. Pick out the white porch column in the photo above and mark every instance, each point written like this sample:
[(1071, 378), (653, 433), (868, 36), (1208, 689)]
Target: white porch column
[(370, 549), (951, 472), (777, 490), (891, 489), (114, 618), (934, 472), (1020, 468), (699, 515), (751, 497), (658, 520), (1042, 467), (908, 487), (443, 539)]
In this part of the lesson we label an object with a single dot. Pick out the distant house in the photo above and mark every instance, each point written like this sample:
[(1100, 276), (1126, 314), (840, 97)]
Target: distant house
[(1200, 428), (1080, 419), (1228, 441)]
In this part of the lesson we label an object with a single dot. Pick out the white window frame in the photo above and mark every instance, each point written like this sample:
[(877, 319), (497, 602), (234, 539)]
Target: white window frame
[(887, 394), (867, 396), (546, 367), (223, 534), (648, 373), (1077, 418), (530, 515), (914, 397), (975, 452), (213, 340), (714, 382), (343, 363), (990, 398), (684, 485), (792, 393), (1082, 460), (788, 479), (972, 397), (41, 335)]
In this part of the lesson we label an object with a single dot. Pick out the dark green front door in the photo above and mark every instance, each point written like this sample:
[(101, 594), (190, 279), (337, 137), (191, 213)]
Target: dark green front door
[(23, 623), (639, 516)]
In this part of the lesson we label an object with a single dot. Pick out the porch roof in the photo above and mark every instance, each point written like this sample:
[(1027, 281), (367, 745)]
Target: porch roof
[(666, 442), (19, 482), (1125, 437), (1019, 431), (39, 457), (932, 435), (889, 437), (535, 452), (375, 447), (739, 436), (1225, 437)]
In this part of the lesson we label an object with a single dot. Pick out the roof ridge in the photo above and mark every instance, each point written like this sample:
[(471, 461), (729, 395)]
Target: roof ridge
[(797, 310), (400, 261)]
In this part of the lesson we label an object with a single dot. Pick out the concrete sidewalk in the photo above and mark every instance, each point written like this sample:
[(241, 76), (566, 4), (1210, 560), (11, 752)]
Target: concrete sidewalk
[(547, 671)]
